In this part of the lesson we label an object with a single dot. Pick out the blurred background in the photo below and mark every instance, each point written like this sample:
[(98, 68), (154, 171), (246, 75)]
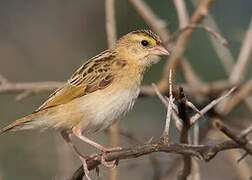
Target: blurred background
[(48, 40)]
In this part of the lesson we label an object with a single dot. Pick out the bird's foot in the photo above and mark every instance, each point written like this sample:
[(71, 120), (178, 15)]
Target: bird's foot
[(111, 164), (108, 164)]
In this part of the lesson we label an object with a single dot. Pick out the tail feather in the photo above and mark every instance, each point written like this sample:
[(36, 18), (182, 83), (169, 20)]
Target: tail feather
[(24, 123)]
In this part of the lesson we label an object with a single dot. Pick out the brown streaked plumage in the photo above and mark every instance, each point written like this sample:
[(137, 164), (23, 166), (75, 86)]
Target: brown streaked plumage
[(99, 92), (96, 73)]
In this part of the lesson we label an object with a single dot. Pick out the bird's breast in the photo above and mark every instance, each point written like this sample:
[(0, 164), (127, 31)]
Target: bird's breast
[(103, 107)]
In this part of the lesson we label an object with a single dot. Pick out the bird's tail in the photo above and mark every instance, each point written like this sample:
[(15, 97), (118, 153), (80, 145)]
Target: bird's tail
[(25, 123)]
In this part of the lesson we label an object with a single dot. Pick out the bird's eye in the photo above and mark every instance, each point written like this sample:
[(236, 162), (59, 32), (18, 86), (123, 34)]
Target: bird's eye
[(144, 43)]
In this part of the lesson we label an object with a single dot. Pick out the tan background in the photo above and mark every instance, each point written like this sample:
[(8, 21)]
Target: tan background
[(47, 40)]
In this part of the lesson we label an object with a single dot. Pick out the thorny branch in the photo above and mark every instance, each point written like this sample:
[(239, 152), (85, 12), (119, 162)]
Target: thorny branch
[(183, 40), (111, 36), (26, 89), (184, 136), (164, 146), (196, 88), (202, 152), (238, 71), (198, 15), (169, 110), (183, 17), (199, 26), (241, 140)]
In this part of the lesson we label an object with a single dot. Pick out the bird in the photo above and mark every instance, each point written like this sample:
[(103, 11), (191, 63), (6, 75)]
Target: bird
[(102, 90)]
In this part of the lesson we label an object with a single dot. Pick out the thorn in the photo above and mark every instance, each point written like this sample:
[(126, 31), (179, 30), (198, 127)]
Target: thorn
[(150, 140), (193, 107), (244, 155)]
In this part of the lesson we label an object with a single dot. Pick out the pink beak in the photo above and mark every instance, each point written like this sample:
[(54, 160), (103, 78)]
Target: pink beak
[(159, 50)]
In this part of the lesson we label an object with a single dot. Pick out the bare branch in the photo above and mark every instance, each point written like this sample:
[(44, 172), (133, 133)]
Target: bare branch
[(160, 96), (32, 86), (242, 141), (209, 106), (224, 54), (153, 21), (192, 106), (238, 97), (204, 89), (199, 26), (182, 13), (184, 137), (239, 69), (178, 122), (243, 170), (245, 154), (183, 41), (202, 152), (196, 168), (110, 22), (246, 131), (165, 135), (111, 36)]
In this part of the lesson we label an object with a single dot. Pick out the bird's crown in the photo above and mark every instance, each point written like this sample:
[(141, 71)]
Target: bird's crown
[(150, 35)]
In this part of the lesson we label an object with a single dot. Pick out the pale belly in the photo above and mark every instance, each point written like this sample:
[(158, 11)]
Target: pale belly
[(94, 111), (100, 109)]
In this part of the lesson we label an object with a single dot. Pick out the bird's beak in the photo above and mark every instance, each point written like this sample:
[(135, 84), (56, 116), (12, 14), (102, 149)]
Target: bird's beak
[(159, 50)]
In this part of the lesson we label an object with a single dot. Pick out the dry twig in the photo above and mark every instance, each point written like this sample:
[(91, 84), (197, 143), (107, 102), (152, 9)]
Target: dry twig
[(183, 41), (224, 54), (199, 26), (238, 97), (203, 89), (239, 69), (195, 169), (202, 152), (165, 135), (209, 106), (111, 36), (34, 87), (182, 13), (184, 137), (241, 140)]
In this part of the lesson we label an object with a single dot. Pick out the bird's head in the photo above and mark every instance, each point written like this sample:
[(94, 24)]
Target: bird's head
[(142, 47)]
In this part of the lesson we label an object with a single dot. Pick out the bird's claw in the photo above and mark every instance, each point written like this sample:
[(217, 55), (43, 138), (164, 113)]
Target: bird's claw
[(111, 164)]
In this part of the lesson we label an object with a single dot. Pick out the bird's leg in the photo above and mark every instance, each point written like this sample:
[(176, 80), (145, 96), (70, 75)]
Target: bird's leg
[(77, 132), (66, 137)]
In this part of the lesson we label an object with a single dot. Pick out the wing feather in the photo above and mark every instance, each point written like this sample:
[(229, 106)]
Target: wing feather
[(97, 73)]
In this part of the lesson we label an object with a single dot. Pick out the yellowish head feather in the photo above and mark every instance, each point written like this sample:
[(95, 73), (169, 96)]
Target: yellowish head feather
[(131, 47), (147, 35)]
